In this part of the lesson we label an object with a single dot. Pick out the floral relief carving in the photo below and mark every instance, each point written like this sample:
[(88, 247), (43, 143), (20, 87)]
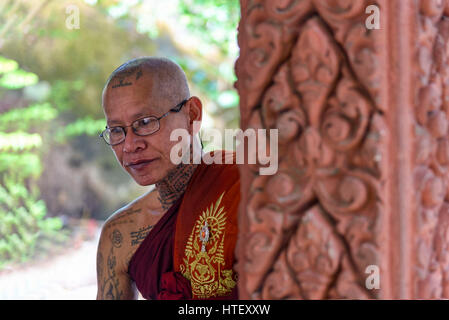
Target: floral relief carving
[(431, 161), (314, 254), (312, 70), (268, 30), (325, 138)]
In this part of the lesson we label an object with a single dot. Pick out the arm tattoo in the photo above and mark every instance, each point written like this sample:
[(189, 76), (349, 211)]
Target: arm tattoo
[(121, 219), (110, 287), (116, 238), (100, 265), (138, 236), (174, 185)]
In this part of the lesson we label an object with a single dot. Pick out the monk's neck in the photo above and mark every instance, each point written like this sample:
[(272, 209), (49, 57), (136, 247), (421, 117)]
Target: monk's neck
[(172, 187)]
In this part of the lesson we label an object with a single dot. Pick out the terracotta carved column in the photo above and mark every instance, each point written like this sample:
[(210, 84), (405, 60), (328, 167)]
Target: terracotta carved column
[(363, 179)]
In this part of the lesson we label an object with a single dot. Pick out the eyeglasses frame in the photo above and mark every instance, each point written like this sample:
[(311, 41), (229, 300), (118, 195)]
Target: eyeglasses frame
[(175, 109)]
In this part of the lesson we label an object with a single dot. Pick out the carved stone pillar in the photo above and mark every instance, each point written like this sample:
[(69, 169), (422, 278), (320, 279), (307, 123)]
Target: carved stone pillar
[(363, 149)]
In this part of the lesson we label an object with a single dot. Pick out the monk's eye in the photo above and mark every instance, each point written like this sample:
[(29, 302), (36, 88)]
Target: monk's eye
[(144, 122), (146, 126), (114, 135), (116, 131)]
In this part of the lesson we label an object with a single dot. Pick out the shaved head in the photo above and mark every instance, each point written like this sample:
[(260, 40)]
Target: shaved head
[(142, 88), (168, 81)]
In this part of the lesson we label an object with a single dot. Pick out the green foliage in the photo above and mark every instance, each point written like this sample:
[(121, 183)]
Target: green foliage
[(29, 164), (214, 21), (62, 91), (228, 99), (11, 77), (23, 118), (209, 64), (22, 214), (74, 71), (23, 220), (18, 141), (87, 126), (18, 79), (7, 65)]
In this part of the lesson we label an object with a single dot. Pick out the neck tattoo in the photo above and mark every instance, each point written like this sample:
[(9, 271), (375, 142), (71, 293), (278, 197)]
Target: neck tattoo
[(174, 184)]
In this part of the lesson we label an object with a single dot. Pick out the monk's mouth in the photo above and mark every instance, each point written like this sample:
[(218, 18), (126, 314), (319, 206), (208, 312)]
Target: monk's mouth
[(140, 164)]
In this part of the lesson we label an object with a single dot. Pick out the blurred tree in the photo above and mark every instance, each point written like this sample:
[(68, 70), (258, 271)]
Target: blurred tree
[(22, 212), (203, 41), (72, 65), (75, 62), (214, 21)]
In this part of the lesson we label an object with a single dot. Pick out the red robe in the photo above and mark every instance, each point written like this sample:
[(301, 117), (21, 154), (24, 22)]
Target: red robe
[(190, 252)]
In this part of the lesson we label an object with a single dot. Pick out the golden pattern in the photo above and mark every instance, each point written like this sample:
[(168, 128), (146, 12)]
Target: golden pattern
[(204, 255)]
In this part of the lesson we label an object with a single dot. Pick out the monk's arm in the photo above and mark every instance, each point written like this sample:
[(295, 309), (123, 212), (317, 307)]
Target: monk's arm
[(113, 281)]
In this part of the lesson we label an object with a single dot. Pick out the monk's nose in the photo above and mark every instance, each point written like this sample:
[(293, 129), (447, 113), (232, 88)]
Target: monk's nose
[(133, 142)]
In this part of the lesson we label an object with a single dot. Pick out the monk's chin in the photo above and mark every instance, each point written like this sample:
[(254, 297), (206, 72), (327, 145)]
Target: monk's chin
[(143, 177), (145, 181)]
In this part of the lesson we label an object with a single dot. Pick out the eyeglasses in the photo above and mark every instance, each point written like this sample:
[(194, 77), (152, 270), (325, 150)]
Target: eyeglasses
[(141, 127)]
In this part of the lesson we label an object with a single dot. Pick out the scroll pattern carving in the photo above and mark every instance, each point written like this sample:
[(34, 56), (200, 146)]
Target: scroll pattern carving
[(432, 157), (306, 68)]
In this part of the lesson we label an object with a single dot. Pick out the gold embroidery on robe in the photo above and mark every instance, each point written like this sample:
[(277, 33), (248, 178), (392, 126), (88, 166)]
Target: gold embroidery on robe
[(204, 255)]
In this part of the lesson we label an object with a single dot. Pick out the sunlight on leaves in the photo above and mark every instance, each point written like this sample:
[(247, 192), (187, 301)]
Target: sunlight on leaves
[(18, 79), (22, 118), (18, 141), (7, 65)]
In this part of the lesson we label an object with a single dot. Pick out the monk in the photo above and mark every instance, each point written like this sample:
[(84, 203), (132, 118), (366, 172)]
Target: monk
[(176, 241)]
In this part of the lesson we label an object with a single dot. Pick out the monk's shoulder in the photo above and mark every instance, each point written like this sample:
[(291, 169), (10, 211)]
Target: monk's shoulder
[(142, 212), (123, 219)]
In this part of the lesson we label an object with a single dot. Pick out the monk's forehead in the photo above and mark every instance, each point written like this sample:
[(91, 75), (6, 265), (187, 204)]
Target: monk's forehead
[(133, 88), (132, 102), (141, 72), (155, 85), (131, 76)]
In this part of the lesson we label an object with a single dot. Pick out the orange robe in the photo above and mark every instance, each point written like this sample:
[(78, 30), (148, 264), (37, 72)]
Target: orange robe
[(190, 251), (206, 230)]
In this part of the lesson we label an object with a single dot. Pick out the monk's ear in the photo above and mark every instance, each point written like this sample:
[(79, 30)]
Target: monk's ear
[(195, 110)]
